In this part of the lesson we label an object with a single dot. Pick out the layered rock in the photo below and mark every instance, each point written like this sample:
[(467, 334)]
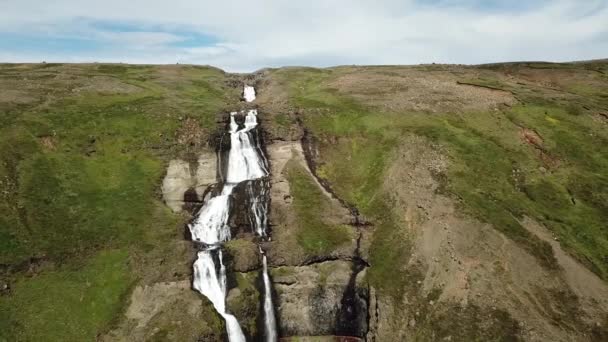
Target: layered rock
[(185, 183)]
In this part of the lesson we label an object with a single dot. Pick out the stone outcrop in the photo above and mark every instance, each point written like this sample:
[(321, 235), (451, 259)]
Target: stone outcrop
[(168, 311), (185, 183), (309, 299), (285, 250), (317, 294)]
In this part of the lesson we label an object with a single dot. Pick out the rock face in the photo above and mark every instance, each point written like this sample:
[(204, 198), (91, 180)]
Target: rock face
[(177, 181), (185, 183), (317, 293), (285, 249), (168, 311), (309, 300), (244, 255)]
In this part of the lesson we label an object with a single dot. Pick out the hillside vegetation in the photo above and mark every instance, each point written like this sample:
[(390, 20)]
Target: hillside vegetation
[(84, 148), (540, 155), (82, 152)]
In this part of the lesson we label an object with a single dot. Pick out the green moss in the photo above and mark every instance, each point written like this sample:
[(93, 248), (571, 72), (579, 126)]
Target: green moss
[(385, 255), (282, 271), (245, 306), (473, 324), (314, 235), (72, 303), (282, 120)]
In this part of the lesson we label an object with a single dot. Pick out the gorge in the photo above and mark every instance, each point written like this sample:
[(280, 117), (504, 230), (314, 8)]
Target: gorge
[(210, 227)]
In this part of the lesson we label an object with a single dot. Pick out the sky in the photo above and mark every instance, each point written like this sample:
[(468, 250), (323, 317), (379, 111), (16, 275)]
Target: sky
[(243, 36)]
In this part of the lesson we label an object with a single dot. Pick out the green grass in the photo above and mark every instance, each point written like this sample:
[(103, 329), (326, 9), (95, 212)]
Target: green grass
[(246, 306), (282, 120), (93, 189), (71, 303), (313, 235), (473, 324), (108, 155)]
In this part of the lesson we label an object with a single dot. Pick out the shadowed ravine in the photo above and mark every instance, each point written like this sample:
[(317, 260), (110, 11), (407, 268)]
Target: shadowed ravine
[(210, 227)]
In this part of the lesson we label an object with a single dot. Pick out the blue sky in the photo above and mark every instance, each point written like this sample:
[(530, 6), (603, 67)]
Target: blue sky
[(247, 35)]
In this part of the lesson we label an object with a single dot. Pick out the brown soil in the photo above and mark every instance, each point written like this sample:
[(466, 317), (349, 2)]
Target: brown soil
[(469, 263), (190, 133), (278, 118), (106, 85), (412, 89), (15, 96), (49, 143)]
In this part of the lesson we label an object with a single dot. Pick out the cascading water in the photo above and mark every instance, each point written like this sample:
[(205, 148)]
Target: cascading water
[(269, 320), (211, 229), (249, 93), (212, 285)]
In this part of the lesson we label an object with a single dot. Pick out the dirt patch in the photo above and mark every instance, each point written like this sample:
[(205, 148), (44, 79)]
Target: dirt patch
[(190, 133), (8, 95), (48, 142), (585, 284), (279, 119), (416, 90), (461, 261), (572, 80), (532, 138), (107, 85)]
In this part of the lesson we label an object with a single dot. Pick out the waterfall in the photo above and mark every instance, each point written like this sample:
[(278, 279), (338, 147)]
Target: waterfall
[(212, 285), (244, 162), (210, 225), (211, 229), (269, 321), (249, 93)]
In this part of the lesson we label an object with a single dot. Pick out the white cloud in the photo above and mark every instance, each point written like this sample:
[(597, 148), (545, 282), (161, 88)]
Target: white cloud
[(255, 34)]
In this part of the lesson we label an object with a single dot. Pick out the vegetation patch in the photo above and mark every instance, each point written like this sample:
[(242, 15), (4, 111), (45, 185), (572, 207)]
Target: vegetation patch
[(245, 305), (79, 175), (71, 303), (314, 235)]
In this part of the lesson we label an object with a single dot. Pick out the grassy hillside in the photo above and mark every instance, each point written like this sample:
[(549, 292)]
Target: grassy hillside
[(539, 155), (83, 149)]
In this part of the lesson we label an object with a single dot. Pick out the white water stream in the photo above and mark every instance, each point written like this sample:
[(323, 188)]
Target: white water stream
[(213, 286), (270, 322), (249, 93), (211, 228)]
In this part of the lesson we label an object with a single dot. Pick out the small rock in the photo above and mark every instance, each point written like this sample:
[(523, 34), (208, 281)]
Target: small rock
[(412, 322), (431, 302), (234, 293), (542, 169)]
